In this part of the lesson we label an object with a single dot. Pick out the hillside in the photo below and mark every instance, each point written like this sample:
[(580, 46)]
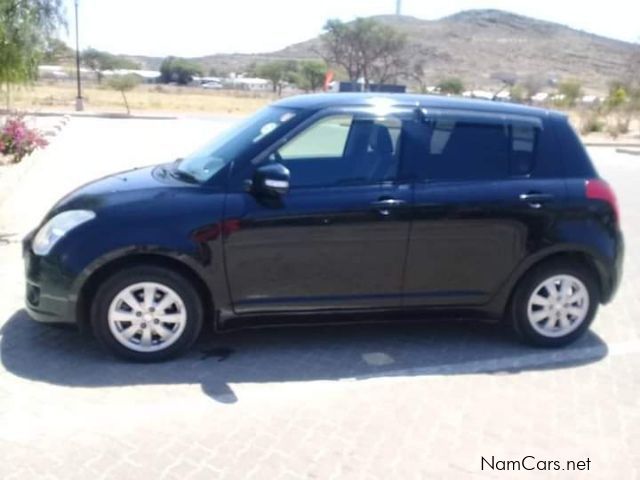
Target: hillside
[(476, 44)]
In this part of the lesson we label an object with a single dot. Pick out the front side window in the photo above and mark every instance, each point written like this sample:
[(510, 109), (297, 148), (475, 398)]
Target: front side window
[(325, 139), (343, 150)]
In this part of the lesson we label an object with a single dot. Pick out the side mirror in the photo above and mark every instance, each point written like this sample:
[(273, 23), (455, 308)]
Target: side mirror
[(271, 179)]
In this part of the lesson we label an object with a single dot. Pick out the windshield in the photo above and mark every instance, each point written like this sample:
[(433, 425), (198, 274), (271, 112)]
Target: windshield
[(205, 162)]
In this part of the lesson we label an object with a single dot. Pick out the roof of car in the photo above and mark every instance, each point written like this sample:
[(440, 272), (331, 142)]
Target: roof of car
[(320, 101)]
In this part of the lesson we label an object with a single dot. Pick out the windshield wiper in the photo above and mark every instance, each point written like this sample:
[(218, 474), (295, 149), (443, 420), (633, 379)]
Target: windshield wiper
[(182, 175)]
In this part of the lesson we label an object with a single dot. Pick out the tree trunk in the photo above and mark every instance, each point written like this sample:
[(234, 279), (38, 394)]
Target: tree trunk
[(124, 97)]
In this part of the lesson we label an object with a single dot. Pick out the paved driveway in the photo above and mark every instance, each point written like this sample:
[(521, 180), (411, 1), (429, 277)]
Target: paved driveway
[(411, 400)]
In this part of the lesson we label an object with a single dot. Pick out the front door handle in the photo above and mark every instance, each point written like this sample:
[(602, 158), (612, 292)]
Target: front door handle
[(385, 205), (535, 199)]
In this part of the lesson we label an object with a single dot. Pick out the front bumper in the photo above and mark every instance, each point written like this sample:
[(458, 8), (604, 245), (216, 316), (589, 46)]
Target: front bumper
[(47, 296)]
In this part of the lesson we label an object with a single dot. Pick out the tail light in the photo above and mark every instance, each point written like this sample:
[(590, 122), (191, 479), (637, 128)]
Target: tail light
[(597, 189)]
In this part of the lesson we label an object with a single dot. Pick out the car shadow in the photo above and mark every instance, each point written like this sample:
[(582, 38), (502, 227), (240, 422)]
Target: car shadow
[(61, 356)]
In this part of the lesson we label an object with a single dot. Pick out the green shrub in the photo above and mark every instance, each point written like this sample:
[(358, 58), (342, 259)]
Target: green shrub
[(592, 123)]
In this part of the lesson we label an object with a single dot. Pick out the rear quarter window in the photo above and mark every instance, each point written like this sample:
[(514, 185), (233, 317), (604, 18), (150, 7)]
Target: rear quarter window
[(565, 152)]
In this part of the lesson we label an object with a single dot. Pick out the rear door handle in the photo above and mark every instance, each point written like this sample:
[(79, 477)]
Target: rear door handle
[(388, 203), (536, 199), (385, 205)]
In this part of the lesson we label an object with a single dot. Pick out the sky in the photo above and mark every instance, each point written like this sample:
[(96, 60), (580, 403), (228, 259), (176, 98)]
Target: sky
[(201, 27)]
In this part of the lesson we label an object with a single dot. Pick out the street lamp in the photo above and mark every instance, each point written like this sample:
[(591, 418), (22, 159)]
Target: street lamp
[(79, 102)]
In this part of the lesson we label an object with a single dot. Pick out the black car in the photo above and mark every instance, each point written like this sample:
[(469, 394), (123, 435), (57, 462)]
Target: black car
[(331, 203)]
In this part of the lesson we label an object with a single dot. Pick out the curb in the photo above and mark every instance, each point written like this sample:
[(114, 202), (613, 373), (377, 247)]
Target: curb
[(629, 151), (119, 116), (611, 144)]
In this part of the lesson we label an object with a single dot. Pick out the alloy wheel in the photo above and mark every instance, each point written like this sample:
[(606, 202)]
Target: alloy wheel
[(147, 317), (558, 306)]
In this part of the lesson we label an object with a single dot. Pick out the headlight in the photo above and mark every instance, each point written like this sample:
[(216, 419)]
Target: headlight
[(57, 227)]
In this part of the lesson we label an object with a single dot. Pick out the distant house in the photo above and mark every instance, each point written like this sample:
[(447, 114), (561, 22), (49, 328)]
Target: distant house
[(590, 99), (52, 72), (479, 94), (540, 97), (253, 84), (146, 76), (59, 72), (359, 86)]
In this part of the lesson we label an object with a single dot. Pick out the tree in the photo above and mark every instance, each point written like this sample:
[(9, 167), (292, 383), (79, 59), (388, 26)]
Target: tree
[(57, 52), (571, 91), (123, 84), (25, 28), (532, 85), (618, 95), (416, 71), (518, 93), (216, 72), (451, 85), (364, 48), (99, 61), (179, 70), (277, 73), (312, 74)]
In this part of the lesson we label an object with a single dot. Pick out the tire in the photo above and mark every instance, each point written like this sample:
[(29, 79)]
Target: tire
[(164, 319), (543, 320)]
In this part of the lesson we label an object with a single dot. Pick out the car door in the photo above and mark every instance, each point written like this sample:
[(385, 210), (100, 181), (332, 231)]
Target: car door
[(338, 238), (484, 196)]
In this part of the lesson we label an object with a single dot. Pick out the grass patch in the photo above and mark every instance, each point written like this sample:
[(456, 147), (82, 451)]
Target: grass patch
[(145, 98)]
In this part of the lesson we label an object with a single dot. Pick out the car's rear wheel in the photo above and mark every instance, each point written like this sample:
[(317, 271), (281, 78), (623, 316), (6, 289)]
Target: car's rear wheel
[(555, 304), (147, 313)]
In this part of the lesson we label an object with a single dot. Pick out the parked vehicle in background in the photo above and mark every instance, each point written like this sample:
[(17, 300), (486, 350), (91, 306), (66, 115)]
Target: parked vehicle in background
[(338, 203), (212, 86)]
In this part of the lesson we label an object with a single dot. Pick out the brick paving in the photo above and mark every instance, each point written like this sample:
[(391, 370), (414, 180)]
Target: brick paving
[(418, 400)]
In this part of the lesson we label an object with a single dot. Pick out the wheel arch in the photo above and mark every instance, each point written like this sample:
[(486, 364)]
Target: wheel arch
[(574, 254), (88, 287)]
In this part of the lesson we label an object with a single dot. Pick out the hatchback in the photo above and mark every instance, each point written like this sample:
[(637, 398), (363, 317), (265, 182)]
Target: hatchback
[(332, 203)]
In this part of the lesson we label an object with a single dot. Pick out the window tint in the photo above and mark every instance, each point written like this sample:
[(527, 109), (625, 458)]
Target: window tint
[(464, 150), (459, 150), (342, 150)]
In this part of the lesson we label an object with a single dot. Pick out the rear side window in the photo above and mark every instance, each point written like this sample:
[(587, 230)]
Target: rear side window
[(462, 150)]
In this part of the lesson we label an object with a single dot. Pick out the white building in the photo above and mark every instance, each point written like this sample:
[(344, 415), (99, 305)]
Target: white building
[(146, 76), (248, 83)]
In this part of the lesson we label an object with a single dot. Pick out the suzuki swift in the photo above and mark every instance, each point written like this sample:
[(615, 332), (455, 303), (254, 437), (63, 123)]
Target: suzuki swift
[(332, 203)]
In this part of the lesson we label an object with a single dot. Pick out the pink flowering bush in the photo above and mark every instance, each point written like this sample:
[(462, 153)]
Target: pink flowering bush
[(18, 140)]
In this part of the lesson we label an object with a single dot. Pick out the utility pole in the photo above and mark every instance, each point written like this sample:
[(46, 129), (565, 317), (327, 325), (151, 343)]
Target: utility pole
[(79, 102), (398, 7)]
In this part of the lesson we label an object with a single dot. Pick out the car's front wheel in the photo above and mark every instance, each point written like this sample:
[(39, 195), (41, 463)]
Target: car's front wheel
[(555, 304), (146, 313)]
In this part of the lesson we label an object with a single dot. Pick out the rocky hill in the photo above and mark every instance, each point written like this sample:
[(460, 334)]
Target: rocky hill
[(477, 44)]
